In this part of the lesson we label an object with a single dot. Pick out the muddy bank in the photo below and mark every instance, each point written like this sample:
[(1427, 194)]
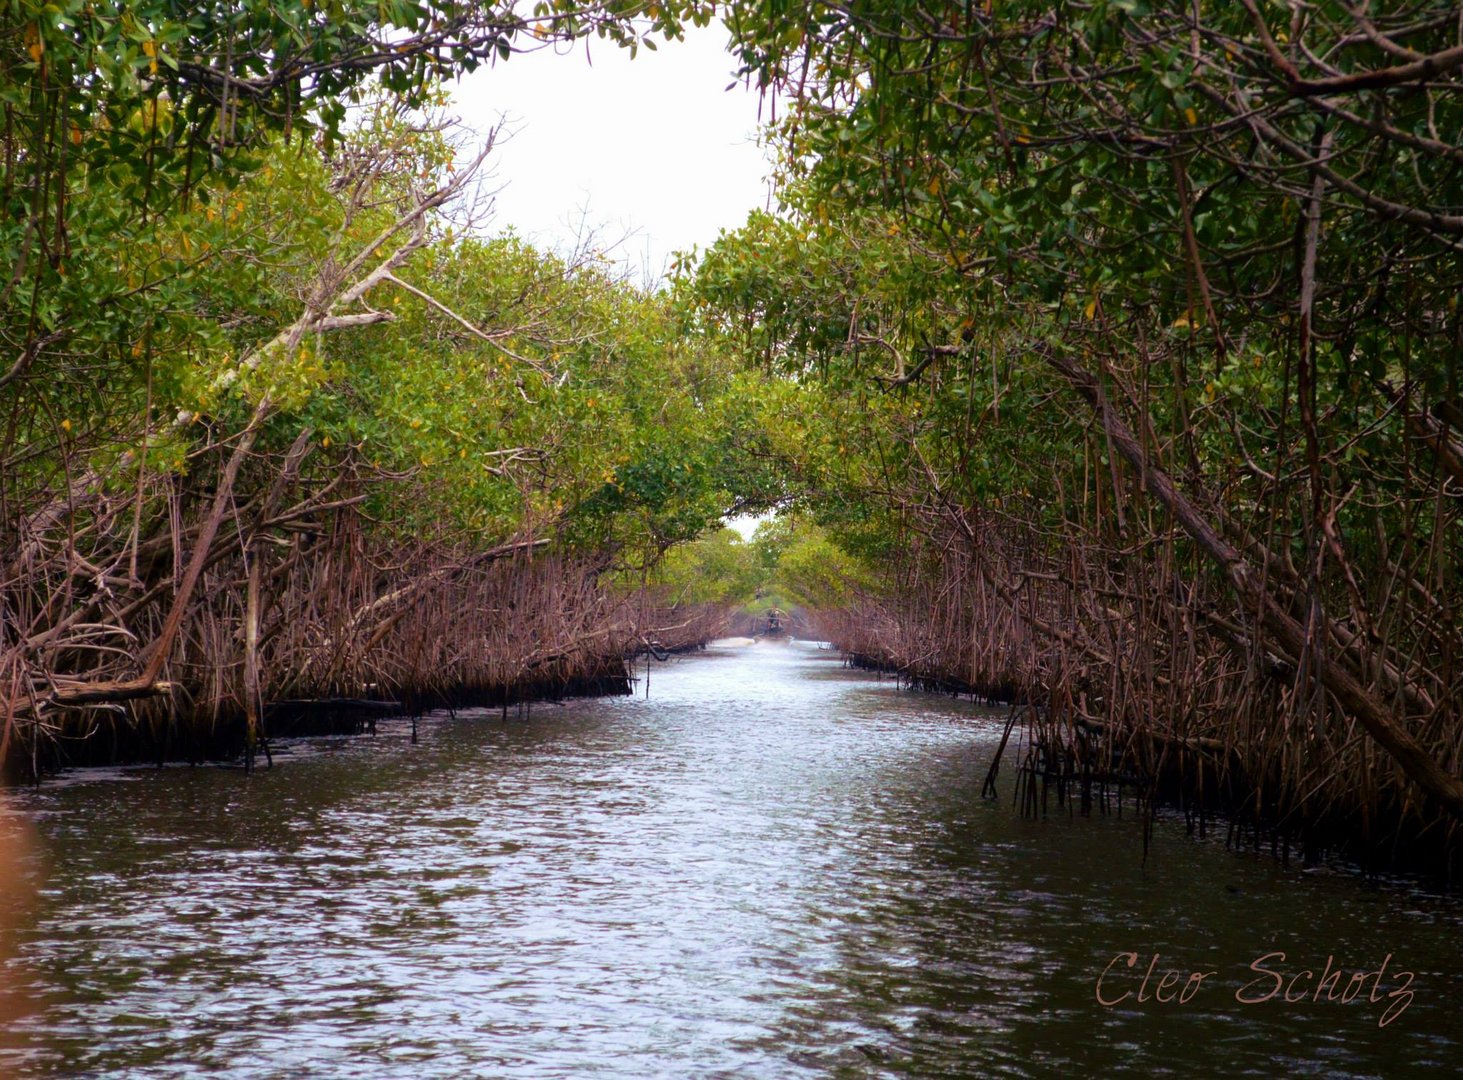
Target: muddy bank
[(180, 737), (914, 676)]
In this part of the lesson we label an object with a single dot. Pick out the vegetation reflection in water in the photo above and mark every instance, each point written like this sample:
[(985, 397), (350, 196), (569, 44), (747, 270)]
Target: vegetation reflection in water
[(774, 866)]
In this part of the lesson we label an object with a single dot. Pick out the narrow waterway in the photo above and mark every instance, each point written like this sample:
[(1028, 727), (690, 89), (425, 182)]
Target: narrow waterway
[(772, 867)]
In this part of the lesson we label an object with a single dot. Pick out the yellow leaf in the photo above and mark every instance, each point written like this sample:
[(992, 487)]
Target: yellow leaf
[(149, 48), (1191, 116), (1091, 309)]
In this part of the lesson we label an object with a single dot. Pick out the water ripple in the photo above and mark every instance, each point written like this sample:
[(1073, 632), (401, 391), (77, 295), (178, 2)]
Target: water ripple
[(773, 867)]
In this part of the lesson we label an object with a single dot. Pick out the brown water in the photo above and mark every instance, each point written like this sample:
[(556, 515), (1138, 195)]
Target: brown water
[(773, 867)]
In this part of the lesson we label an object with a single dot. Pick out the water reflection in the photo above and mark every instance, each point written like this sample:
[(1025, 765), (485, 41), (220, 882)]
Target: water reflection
[(773, 867)]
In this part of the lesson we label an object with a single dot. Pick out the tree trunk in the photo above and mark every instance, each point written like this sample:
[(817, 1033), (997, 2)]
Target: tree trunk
[(1286, 635)]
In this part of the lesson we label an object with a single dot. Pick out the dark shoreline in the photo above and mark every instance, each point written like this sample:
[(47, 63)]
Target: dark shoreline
[(224, 741), (1056, 776)]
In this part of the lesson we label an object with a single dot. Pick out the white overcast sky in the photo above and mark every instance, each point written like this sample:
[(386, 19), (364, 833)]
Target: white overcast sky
[(655, 151), (655, 147)]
